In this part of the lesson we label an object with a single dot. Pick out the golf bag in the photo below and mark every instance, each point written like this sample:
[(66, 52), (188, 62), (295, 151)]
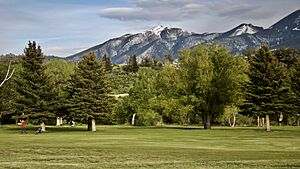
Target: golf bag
[(38, 130)]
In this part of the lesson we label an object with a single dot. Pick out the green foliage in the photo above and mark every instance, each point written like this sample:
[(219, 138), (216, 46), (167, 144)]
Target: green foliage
[(268, 90), (107, 63), (208, 78), (168, 59), (291, 60), (124, 111), (88, 92), (7, 91), (148, 117), (121, 81), (212, 79), (152, 62), (231, 112), (35, 92), (132, 65), (59, 72)]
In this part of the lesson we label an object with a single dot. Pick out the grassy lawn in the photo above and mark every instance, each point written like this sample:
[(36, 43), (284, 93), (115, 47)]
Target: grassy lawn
[(152, 147)]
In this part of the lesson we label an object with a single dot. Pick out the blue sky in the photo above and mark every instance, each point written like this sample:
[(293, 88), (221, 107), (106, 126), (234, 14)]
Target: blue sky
[(65, 27)]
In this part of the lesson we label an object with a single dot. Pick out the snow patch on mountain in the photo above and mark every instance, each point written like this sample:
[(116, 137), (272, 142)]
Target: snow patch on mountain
[(245, 28), (157, 30), (160, 40), (296, 29), (297, 21)]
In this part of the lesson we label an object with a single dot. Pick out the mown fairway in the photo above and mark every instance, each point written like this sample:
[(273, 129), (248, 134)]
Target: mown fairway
[(154, 147)]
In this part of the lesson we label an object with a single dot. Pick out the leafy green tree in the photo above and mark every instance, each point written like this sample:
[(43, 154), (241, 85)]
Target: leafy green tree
[(267, 90), (35, 91), (121, 81), (211, 79), (88, 93), (173, 107), (7, 92), (59, 72), (141, 94)]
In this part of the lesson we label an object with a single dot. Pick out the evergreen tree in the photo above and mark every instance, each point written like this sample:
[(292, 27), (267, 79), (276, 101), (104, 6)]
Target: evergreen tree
[(35, 91), (295, 85), (290, 57), (168, 58), (88, 90), (147, 62), (107, 63), (267, 90), (132, 65)]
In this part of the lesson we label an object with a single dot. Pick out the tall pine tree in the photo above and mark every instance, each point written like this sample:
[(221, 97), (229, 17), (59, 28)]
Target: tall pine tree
[(106, 62), (132, 65), (35, 91), (88, 89), (267, 90)]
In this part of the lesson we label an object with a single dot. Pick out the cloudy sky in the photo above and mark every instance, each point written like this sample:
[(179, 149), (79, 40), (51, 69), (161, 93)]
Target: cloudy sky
[(64, 27)]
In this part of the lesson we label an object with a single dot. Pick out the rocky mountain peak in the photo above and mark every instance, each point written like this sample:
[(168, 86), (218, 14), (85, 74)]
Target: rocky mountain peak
[(244, 29), (161, 40), (157, 30)]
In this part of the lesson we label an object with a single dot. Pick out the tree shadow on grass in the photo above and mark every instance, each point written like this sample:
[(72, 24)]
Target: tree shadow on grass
[(160, 127), (30, 129)]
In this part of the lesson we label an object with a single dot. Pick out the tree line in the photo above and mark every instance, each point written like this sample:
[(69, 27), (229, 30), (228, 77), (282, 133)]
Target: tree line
[(205, 85)]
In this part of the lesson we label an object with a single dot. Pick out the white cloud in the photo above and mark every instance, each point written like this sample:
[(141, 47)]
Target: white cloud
[(156, 10)]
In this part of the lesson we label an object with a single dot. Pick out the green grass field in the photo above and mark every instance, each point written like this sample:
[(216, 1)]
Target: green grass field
[(152, 147)]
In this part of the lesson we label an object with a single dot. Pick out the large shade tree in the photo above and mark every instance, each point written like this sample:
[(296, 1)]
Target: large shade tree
[(88, 93), (35, 99), (59, 72), (211, 79)]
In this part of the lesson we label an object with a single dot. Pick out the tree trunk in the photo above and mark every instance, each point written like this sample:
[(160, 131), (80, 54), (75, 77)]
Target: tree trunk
[(234, 120), (206, 121), (58, 121), (8, 75), (268, 127), (280, 119), (258, 121), (263, 122), (132, 120), (43, 126), (89, 124), (229, 121), (93, 125)]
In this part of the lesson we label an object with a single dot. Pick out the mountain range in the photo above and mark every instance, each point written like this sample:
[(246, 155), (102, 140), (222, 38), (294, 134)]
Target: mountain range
[(161, 40)]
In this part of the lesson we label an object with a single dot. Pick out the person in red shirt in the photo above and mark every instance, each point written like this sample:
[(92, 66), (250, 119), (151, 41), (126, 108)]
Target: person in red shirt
[(23, 129)]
